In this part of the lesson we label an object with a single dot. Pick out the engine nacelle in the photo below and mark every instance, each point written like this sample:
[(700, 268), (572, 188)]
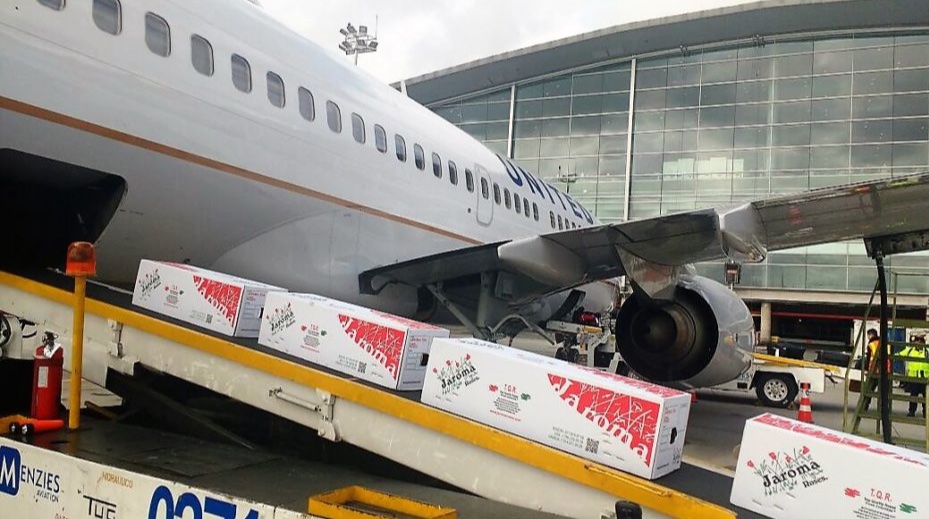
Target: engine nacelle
[(703, 336)]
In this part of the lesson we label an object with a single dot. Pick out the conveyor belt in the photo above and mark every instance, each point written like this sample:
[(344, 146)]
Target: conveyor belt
[(263, 477), (690, 480)]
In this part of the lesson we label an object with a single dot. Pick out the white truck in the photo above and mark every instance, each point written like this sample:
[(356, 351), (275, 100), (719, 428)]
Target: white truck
[(776, 380)]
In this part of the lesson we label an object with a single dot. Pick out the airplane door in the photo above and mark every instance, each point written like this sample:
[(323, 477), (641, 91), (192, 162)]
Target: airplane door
[(485, 206)]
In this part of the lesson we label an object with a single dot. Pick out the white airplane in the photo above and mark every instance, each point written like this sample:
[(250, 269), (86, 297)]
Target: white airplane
[(207, 132)]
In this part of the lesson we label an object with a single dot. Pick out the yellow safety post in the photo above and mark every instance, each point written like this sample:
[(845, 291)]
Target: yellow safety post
[(81, 263)]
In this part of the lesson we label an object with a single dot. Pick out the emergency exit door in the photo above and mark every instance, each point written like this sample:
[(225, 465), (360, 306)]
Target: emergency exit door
[(485, 206)]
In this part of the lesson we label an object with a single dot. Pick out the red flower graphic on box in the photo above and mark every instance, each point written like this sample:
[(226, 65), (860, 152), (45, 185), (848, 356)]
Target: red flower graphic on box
[(785, 471), (383, 343), (222, 296), (632, 420)]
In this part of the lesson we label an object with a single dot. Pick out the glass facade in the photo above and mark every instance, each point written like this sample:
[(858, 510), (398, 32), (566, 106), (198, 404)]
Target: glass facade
[(723, 125)]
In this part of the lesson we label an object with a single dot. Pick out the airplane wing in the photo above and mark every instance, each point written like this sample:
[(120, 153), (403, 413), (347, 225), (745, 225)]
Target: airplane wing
[(655, 249)]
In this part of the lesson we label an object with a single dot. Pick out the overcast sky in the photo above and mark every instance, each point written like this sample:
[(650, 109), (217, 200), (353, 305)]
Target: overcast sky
[(417, 36)]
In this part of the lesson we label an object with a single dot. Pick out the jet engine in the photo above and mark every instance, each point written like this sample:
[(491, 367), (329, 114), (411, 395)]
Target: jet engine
[(702, 336)]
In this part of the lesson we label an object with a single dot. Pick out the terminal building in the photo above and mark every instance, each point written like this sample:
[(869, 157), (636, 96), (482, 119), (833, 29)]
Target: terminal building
[(715, 108)]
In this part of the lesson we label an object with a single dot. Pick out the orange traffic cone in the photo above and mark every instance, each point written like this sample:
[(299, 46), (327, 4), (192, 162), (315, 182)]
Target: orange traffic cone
[(805, 413)]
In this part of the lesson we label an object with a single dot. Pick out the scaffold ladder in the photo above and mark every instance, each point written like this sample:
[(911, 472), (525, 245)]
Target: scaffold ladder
[(870, 377)]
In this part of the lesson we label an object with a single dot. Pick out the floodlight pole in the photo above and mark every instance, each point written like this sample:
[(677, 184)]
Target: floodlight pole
[(357, 41)]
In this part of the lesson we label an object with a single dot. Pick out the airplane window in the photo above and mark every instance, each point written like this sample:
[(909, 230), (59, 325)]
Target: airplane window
[(275, 90), (358, 128), (107, 15), (57, 5), (560, 223), (157, 34), (516, 204), (201, 55), (380, 138), (241, 73), (485, 189), (535, 211), (436, 165), (506, 198), (419, 156), (496, 193), (307, 107), (469, 180), (526, 207), (551, 216), (334, 117), (452, 173), (401, 148)]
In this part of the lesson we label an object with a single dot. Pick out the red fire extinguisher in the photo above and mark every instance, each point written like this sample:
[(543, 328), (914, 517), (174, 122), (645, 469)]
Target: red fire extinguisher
[(46, 378)]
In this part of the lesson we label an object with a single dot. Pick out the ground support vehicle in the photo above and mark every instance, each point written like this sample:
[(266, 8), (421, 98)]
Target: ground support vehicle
[(776, 380)]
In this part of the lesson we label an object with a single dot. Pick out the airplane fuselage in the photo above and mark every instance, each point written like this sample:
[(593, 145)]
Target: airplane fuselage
[(229, 179)]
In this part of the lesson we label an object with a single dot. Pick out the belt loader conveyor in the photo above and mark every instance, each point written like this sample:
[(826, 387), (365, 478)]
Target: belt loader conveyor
[(463, 453)]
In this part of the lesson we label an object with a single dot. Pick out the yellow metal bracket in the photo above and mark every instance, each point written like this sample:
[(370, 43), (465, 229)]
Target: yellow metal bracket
[(361, 503)]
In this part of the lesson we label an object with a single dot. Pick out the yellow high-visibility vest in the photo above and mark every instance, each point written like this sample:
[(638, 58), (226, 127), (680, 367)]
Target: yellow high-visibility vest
[(916, 368)]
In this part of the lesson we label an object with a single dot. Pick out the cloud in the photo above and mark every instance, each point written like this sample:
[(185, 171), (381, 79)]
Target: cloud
[(417, 37)]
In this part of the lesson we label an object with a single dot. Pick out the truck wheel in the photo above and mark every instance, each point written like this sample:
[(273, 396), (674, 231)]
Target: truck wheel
[(776, 390)]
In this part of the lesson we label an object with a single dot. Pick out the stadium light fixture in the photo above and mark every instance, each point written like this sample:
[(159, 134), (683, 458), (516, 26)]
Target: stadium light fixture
[(357, 41)]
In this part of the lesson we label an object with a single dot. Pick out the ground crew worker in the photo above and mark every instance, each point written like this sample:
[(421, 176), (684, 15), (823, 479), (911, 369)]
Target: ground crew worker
[(917, 366), (872, 361), (873, 343)]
